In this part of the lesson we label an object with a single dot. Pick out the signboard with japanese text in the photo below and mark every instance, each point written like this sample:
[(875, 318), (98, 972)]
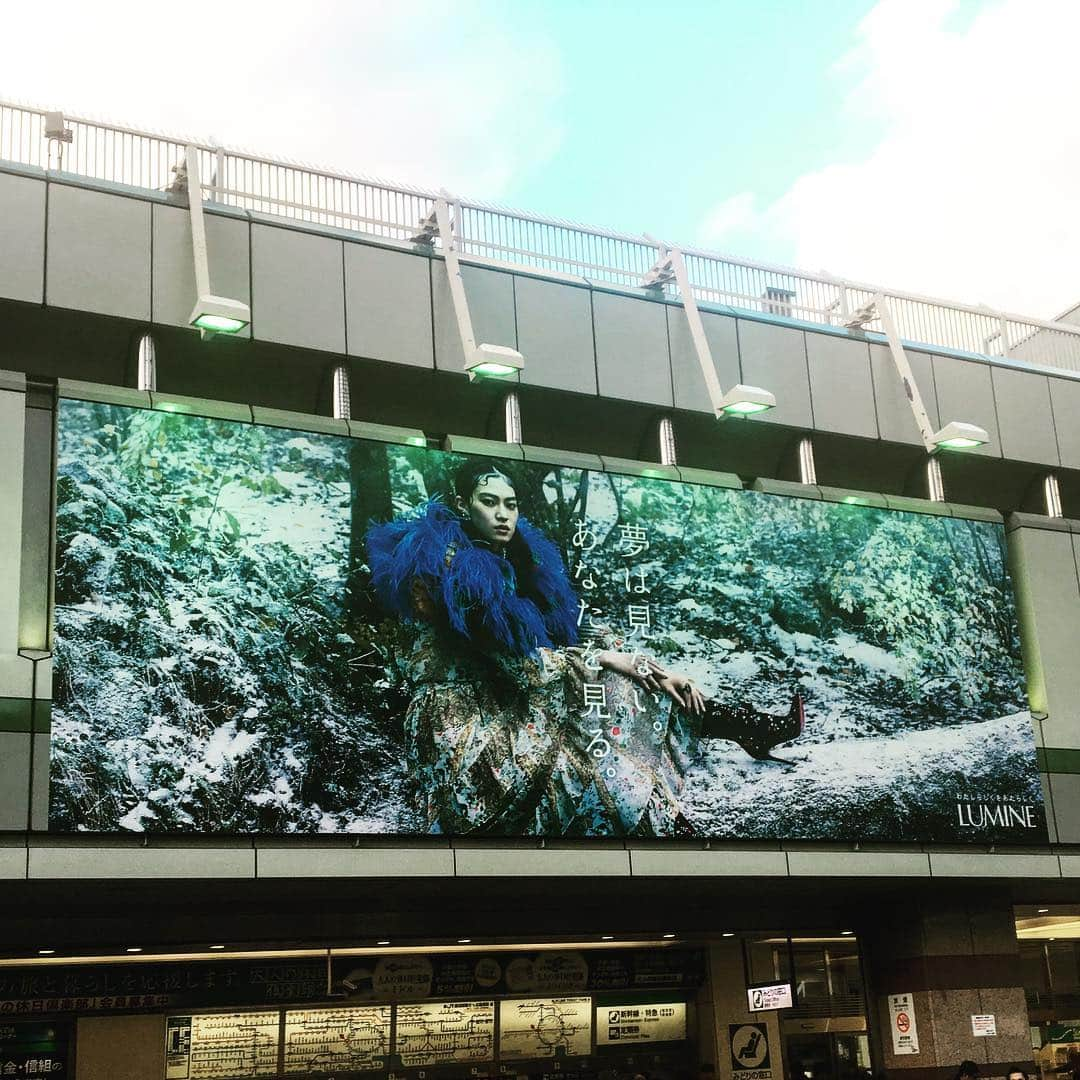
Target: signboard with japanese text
[(34, 1050), (398, 640), (768, 996), (152, 986), (445, 1032), (414, 976), (337, 1041), (222, 1046), (637, 1022), (984, 1024), (905, 1033), (533, 1028)]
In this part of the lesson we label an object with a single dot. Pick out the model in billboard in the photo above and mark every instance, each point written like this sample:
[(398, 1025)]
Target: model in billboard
[(496, 738)]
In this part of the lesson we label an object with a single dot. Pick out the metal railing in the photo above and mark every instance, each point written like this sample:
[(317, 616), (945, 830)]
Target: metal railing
[(142, 159)]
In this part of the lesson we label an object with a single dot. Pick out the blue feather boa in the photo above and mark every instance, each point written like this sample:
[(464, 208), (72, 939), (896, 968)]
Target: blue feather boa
[(474, 587)]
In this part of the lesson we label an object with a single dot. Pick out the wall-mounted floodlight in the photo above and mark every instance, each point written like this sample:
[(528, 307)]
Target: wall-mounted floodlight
[(211, 314), (483, 361), (741, 400), (956, 434), (494, 362)]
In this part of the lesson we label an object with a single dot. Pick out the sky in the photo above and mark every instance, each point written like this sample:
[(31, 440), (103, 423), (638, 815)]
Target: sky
[(924, 145)]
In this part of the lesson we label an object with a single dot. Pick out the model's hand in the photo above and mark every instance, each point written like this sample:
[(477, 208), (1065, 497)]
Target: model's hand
[(683, 692), (644, 670)]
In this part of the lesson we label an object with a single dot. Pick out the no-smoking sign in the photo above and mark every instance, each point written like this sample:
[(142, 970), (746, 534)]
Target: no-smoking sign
[(903, 1023)]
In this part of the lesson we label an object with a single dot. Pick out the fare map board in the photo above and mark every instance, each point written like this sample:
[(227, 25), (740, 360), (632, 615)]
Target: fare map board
[(545, 1027), (445, 1032), (353, 1039), (222, 1046)]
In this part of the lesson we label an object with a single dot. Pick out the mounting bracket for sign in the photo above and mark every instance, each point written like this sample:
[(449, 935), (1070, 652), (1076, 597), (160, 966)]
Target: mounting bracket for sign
[(496, 361), (744, 400), (955, 435)]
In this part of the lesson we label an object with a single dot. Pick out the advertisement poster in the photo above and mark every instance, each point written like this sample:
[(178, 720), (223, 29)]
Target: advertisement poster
[(265, 630), (905, 1034), (221, 1046), (445, 1032), (34, 1050), (339, 1041), (545, 1027), (652, 1023)]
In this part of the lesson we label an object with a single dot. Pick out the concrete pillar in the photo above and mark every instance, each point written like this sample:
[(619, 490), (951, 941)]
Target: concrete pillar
[(948, 963), (739, 1044)]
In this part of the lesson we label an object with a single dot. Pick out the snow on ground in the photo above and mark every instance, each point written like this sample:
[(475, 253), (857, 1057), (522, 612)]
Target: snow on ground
[(886, 787)]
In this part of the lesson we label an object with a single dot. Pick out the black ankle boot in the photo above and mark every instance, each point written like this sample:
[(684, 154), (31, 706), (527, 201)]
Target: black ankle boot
[(756, 732)]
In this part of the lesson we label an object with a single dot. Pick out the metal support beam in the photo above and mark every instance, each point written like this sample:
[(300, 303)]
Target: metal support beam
[(480, 359), (953, 435), (742, 399)]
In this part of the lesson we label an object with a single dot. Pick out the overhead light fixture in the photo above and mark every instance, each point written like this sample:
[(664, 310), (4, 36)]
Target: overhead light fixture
[(728, 933), (607, 937), (212, 314), (46, 952), (494, 362), (846, 933), (133, 949), (217, 947), (957, 435), (1044, 911), (219, 315), (743, 400), (669, 935), (464, 940), (385, 941)]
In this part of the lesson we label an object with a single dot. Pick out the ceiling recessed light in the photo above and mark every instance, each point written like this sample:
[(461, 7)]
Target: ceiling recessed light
[(1044, 911), (464, 940), (847, 933), (728, 933), (385, 941), (133, 948), (217, 946), (46, 952), (607, 937), (669, 935)]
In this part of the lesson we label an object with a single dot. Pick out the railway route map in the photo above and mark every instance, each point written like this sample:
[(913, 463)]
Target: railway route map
[(222, 1046), (351, 1039), (441, 1032), (545, 1028)]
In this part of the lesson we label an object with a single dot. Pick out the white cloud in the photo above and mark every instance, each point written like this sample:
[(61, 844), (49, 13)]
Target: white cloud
[(971, 190), (412, 90)]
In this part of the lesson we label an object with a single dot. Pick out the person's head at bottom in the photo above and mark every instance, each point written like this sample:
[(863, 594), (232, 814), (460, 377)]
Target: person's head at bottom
[(1016, 1074), (969, 1070)]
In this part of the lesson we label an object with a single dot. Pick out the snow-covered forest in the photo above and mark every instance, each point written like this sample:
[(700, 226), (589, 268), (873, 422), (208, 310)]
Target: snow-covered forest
[(223, 666)]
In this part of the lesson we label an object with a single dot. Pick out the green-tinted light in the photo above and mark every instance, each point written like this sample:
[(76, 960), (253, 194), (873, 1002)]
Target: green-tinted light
[(222, 324), (745, 408), (417, 441), (496, 371), (169, 406), (959, 444), (854, 500)]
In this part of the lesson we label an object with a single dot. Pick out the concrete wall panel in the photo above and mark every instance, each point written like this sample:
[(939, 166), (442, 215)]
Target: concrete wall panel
[(841, 386), (896, 422), (388, 305), (98, 252), (774, 357), (1065, 397), (1044, 572), (298, 288), (228, 247), (690, 391), (632, 357), (12, 443), (965, 392), (490, 294), (1024, 416), (14, 779), (1065, 796), (555, 335), (22, 238)]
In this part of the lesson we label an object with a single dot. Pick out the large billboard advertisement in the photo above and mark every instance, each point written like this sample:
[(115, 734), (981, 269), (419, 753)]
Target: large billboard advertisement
[(269, 630)]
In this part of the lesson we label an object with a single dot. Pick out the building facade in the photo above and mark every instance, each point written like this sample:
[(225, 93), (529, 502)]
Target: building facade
[(191, 889)]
